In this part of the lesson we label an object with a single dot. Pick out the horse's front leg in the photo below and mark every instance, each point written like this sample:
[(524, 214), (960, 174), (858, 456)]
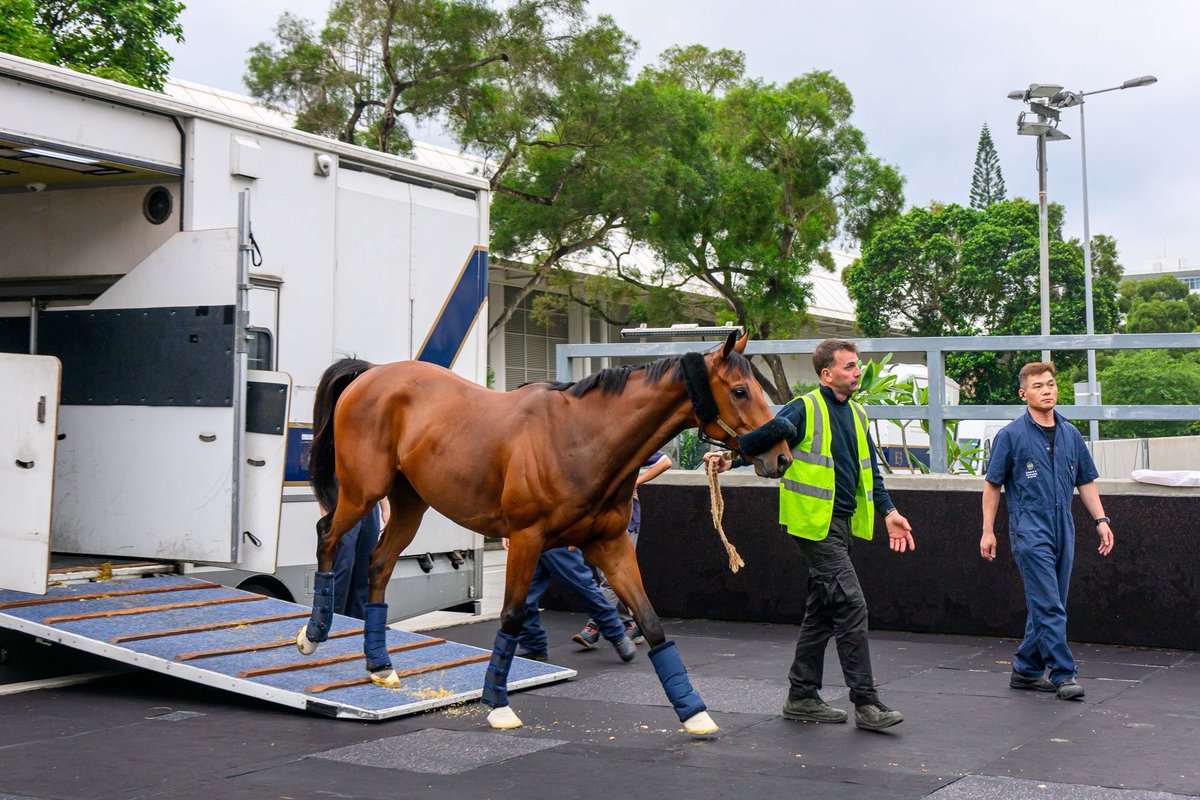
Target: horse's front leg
[(616, 556), (525, 547)]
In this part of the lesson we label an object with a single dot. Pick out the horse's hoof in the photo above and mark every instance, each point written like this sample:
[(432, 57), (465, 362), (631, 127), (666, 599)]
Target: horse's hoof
[(504, 718), (387, 678), (303, 643), (700, 724)]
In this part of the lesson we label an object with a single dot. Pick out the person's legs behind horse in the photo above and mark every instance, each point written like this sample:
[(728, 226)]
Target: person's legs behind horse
[(568, 566)]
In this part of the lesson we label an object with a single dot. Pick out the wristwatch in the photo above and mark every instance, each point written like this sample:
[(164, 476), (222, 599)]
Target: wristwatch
[(1098, 520)]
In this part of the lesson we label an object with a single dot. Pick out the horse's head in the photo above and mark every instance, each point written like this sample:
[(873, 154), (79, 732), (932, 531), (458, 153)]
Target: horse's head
[(743, 419)]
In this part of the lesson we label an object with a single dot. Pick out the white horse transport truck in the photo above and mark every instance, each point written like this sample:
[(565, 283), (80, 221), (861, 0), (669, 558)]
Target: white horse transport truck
[(173, 281)]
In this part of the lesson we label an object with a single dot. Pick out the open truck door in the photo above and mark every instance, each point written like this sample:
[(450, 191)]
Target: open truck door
[(264, 452), (148, 434), (29, 408)]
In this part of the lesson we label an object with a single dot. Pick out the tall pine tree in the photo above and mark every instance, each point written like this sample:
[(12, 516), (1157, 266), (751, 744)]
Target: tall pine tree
[(987, 184)]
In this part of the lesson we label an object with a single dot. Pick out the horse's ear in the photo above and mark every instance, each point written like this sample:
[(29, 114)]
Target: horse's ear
[(732, 342)]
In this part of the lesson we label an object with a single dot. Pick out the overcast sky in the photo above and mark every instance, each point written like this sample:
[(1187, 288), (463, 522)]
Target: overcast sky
[(925, 76)]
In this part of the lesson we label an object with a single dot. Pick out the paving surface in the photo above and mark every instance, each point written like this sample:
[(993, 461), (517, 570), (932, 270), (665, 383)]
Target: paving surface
[(610, 733)]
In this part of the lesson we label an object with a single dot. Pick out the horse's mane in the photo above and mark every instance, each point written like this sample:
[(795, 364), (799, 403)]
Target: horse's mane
[(612, 380)]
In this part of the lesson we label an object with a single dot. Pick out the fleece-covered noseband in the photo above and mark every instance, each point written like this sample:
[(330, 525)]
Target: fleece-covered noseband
[(759, 440)]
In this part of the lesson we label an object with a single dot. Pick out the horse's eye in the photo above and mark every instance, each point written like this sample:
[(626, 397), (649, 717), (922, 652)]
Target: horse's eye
[(740, 393)]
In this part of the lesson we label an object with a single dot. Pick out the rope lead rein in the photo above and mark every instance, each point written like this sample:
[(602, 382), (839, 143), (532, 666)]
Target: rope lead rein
[(717, 504)]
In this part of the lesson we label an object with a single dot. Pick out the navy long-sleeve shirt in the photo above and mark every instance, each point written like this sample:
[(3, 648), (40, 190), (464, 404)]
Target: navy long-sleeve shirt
[(844, 447)]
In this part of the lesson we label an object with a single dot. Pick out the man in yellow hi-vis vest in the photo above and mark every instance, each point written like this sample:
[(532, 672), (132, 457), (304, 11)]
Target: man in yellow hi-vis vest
[(828, 495)]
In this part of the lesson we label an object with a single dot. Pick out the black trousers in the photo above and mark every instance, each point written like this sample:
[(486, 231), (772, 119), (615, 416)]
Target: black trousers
[(836, 607)]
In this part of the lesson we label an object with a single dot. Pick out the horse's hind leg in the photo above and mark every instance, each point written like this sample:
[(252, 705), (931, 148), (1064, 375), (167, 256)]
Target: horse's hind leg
[(617, 558), (525, 547), (407, 509)]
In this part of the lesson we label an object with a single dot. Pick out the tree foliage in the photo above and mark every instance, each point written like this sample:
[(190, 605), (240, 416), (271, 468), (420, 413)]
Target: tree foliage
[(775, 173), (1150, 377), (987, 182), (954, 271), (116, 39), (1162, 304), (376, 66)]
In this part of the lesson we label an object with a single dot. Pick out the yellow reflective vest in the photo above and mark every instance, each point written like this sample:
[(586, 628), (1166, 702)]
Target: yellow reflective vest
[(806, 490)]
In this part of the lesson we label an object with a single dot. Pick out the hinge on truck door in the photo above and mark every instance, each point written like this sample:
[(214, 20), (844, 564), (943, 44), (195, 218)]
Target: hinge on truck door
[(41, 409)]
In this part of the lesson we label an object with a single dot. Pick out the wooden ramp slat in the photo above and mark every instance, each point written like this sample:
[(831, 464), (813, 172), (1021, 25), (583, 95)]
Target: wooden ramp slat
[(215, 626), (151, 609), (459, 662), (250, 648), (72, 598), (324, 662)]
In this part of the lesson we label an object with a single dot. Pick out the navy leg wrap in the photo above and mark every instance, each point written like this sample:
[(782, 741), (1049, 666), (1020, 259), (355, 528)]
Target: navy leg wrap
[(674, 678), (375, 638), (322, 611), (495, 680)]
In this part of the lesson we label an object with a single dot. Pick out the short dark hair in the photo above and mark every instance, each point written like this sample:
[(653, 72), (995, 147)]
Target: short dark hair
[(823, 355), (1036, 368)]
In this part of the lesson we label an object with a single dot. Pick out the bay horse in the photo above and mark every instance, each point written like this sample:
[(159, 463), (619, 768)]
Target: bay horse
[(547, 465)]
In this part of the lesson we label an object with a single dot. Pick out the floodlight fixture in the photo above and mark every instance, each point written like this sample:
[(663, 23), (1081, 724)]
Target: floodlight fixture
[(1032, 127), (1055, 135), (1044, 110), (1017, 94), (1066, 99), (1043, 90)]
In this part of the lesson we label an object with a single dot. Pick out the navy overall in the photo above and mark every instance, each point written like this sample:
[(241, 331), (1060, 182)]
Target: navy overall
[(1039, 483)]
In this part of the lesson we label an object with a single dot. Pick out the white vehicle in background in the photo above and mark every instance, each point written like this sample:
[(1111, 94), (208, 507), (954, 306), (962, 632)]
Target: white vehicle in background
[(173, 281)]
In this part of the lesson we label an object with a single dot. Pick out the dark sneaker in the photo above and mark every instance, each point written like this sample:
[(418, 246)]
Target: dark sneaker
[(625, 648), (534, 655), (588, 637), (876, 717), (1070, 690), (635, 633), (812, 709), (1038, 684)]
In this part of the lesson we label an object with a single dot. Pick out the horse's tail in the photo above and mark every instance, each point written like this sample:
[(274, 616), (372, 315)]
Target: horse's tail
[(321, 455)]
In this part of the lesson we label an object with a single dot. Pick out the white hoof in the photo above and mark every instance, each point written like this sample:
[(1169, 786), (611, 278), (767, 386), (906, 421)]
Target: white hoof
[(303, 643), (504, 718), (700, 724), (388, 679)]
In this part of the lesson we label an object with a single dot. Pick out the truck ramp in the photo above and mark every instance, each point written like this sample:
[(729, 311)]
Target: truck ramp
[(245, 643)]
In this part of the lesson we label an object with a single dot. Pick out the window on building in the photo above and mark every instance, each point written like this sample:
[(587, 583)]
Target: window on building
[(259, 351), (529, 347), (1193, 284)]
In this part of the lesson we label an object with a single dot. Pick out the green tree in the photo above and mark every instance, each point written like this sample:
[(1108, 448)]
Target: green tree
[(775, 175), (1163, 304), (1150, 377), (954, 271), (121, 40), (987, 182), (377, 64)]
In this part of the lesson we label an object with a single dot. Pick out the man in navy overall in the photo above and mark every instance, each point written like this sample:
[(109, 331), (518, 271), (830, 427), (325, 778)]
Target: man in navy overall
[(1040, 459)]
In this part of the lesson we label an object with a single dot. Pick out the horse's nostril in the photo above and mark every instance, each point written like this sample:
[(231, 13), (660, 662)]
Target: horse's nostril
[(785, 461)]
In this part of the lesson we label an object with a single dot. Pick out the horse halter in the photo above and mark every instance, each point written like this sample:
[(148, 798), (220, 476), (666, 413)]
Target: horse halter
[(759, 440)]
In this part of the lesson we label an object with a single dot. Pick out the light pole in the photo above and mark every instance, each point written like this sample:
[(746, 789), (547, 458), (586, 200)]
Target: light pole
[(1066, 100), (1045, 127)]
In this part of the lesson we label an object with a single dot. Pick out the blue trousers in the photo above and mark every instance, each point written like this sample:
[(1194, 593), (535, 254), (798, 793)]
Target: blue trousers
[(352, 567), (1044, 561), (574, 573)]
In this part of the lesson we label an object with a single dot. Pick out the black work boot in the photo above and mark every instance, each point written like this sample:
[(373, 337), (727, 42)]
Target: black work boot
[(1070, 690), (876, 717), (812, 709), (1038, 684)]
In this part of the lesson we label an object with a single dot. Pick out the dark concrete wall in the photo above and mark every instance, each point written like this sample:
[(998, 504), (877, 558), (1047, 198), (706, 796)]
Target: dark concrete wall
[(1147, 592)]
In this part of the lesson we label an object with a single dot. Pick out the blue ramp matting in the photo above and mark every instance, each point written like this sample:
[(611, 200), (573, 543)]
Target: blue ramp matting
[(243, 642)]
